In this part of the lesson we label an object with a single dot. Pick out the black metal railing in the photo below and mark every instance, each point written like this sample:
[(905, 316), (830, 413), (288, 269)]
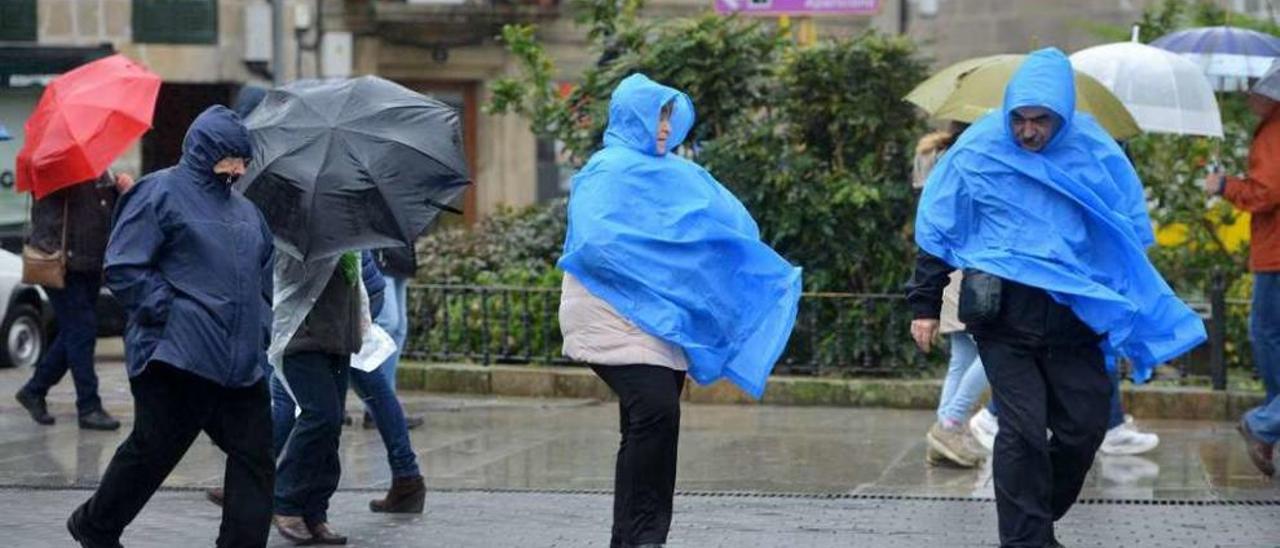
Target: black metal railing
[(836, 334)]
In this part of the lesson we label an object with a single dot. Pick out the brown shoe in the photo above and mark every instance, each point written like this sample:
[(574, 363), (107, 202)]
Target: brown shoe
[(294, 529), (1260, 452), (406, 496), (323, 534), (215, 495)]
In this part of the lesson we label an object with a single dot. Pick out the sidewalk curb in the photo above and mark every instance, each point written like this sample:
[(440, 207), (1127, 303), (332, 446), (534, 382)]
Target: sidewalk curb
[(581, 383)]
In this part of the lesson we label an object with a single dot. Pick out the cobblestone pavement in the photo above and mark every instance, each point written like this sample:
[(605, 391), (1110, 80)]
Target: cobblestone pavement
[(513, 472), (488, 519)]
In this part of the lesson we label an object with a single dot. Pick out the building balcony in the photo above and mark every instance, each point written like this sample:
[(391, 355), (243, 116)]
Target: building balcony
[(463, 12), (438, 25)]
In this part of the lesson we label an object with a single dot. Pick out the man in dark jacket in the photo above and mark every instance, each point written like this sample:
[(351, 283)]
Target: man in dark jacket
[(1047, 217), (76, 220), (408, 491), (316, 371), (191, 261)]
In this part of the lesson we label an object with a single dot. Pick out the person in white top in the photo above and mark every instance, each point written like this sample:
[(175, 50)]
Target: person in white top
[(648, 376)]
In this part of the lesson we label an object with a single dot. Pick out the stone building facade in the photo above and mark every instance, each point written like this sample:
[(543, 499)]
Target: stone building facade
[(446, 48)]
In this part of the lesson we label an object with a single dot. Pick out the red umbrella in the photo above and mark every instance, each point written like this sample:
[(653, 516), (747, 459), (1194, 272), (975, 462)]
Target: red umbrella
[(84, 121)]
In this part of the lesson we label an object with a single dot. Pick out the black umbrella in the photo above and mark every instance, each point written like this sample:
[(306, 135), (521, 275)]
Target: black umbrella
[(352, 164)]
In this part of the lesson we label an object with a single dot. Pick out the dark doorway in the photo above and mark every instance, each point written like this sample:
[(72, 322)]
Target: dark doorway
[(177, 106), (461, 96)]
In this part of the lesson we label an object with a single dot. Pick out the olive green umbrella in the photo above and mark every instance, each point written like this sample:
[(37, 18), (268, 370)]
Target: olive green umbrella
[(969, 89)]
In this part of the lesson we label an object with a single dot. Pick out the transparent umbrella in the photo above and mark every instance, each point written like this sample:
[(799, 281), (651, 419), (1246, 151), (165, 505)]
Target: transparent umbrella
[(1164, 92)]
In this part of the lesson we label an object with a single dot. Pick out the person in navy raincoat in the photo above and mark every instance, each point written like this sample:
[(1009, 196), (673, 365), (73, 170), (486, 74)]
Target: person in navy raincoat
[(191, 261), (1046, 216)]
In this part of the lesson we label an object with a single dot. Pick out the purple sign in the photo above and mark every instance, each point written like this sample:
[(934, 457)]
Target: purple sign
[(799, 7)]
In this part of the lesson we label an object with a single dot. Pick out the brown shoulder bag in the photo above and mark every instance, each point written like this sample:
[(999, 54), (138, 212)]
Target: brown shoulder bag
[(44, 268)]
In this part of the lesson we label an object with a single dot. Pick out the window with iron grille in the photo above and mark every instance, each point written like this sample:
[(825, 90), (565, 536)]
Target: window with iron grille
[(17, 20), (175, 21)]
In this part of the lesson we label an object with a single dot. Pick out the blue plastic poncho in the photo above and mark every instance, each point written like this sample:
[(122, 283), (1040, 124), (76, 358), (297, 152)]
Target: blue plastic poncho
[(1070, 219), (659, 239)]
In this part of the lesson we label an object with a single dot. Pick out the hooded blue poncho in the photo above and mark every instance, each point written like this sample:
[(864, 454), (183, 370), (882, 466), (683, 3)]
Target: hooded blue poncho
[(660, 240), (1070, 219)]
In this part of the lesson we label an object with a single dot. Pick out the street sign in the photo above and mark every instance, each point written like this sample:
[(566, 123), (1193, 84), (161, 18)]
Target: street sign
[(774, 8)]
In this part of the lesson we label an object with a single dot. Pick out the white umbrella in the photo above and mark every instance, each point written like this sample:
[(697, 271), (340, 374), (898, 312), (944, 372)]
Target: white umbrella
[(1268, 85), (1164, 92)]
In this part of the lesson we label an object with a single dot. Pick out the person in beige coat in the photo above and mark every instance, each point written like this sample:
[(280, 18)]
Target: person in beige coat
[(949, 441)]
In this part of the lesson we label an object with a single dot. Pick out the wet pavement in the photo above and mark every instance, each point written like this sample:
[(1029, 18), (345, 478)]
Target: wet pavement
[(520, 471)]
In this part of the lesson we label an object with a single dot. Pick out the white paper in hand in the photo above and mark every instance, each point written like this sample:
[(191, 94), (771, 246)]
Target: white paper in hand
[(376, 348)]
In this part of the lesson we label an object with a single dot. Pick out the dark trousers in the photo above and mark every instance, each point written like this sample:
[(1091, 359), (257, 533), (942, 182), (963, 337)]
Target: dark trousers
[(645, 475), (1064, 389), (309, 468), (172, 407), (72, 348)]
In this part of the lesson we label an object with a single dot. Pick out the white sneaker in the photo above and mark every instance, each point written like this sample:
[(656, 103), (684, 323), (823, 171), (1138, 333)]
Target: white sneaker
[(1127, 440), (1127, 470), (984, 427)]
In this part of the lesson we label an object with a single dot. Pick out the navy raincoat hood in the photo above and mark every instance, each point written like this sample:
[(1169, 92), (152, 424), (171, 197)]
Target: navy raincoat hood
[(1070, 219), (673, 251), (192, 263), (216, 134)]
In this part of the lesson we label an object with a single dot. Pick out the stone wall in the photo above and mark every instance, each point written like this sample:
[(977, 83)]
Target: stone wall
[(91, 22), (968, 28)]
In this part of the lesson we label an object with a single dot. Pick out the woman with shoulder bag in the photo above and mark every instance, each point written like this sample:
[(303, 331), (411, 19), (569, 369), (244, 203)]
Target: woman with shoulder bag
[(64, 254)]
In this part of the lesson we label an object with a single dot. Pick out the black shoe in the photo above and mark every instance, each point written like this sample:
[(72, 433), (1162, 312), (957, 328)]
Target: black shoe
[(215, 495), (413, 422), (36, 406), (75, 526), (367, 423), (98, 420), (346, 419)]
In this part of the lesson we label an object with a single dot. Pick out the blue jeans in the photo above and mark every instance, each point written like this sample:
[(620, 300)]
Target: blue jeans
[(282, 418), (380, 399), (75, 307), (1264, 332), (394, 318), (1117, 405), (386, 411), (377, 388), (965, 380), (1116, 417), (309, 468)]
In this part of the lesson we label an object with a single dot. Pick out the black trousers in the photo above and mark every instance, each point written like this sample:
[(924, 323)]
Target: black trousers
[(1063, 389), (172, 407), (645, 475)]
